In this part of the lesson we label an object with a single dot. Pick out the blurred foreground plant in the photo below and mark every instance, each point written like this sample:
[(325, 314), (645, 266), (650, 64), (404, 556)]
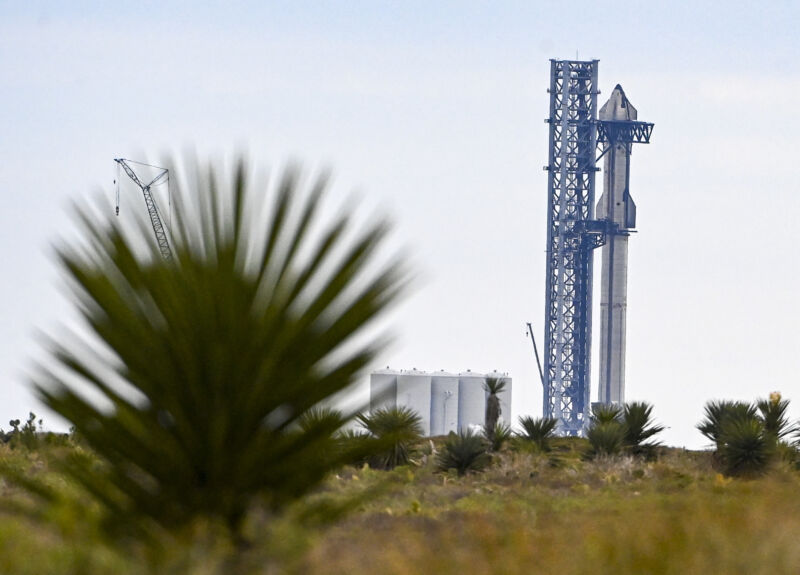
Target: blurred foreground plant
[(203, 369)]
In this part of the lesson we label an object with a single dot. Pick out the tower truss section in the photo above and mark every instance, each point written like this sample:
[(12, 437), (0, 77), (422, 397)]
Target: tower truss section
[(572, 234)]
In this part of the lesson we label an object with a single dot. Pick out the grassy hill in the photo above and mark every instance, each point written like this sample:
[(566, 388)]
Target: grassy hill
[(528, 512)]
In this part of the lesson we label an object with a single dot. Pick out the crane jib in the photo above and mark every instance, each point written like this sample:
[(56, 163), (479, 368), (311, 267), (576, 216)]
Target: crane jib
[(150, 203)]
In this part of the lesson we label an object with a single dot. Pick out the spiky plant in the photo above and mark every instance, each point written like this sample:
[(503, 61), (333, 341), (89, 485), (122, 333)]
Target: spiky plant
[(204, 364), (319, 416), (499, 436), (639, 427), (606, 413), (746, 450), (773, 416), (605, 438), (464, 452), (493, 386), (539, 430), (396, 428), (718, 412)]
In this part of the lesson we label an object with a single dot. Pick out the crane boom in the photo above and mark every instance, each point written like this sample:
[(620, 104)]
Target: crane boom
[(150, 203)]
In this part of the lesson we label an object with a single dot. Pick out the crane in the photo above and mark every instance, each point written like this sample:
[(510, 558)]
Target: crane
[(152, 208)]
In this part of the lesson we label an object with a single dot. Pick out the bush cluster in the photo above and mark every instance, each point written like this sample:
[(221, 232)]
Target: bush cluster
[(748, 438), (626, 429)]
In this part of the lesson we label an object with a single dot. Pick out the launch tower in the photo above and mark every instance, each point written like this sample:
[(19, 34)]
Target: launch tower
[(573, 232)]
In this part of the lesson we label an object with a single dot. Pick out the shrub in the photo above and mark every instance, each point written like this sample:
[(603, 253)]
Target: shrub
[(464, 452), (746, 436), (26, 436), (605, 438), (499, 435), (639, 428), (396, 428), (319, 416), (606, 413), (746, 450), (773, 416), (718, 412), (210, 360), (539, 430)]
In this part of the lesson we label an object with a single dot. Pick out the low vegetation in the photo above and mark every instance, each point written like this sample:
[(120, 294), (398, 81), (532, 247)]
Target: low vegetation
[(208, 448), (397, 428), (463, 452), (627, 429), (558, 510), (749, 438), (539, 431)]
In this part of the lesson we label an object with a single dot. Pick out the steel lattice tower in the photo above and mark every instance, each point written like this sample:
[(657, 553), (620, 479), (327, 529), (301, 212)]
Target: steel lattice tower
[(572, 234)]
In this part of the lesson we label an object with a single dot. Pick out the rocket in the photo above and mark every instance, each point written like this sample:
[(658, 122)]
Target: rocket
[(617, 207)]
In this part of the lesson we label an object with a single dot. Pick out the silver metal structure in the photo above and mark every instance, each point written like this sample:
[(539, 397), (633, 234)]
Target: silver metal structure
[(572, 234)]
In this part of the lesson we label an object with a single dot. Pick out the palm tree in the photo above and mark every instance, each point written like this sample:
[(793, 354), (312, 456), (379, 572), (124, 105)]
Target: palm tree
[(211, 362), (493, 386)]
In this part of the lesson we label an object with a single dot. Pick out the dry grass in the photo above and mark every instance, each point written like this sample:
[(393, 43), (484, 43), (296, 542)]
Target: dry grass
[(529, 512)]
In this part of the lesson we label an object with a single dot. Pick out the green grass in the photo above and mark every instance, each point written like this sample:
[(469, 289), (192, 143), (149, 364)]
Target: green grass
[(527, 512)]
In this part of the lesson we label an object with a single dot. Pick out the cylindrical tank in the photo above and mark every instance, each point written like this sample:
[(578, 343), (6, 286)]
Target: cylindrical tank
[(414, 391), (382, 389), (471, 401), (444, 403)]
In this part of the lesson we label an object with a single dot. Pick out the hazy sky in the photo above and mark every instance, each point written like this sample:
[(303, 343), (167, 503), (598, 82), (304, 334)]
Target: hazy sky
[(434, 113)]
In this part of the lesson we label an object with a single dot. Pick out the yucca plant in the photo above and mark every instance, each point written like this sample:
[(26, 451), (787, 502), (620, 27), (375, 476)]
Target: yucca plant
[(397, 429), (606, 413), (718, 412), (493, 386), (463, 452), (539, 430), (204, 367), (499, 436), (319, 416), (746, 450), (605, 438), (773, 416), (639, 427)]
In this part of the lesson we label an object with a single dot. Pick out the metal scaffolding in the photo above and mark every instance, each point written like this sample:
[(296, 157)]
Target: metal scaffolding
[(572, 234)]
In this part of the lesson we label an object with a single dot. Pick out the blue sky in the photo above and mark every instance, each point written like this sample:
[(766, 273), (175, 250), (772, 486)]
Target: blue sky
[(434, 112)]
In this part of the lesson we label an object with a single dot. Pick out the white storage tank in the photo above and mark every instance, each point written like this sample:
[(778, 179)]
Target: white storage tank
[(444, 403), (471, 401), (382, 390), (414, 391)]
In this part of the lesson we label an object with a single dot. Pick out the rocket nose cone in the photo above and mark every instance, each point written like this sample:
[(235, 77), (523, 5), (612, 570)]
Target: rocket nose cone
[(618, 107)]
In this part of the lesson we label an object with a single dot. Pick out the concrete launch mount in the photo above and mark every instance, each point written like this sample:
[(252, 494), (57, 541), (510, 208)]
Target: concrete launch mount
[(574, 232)]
